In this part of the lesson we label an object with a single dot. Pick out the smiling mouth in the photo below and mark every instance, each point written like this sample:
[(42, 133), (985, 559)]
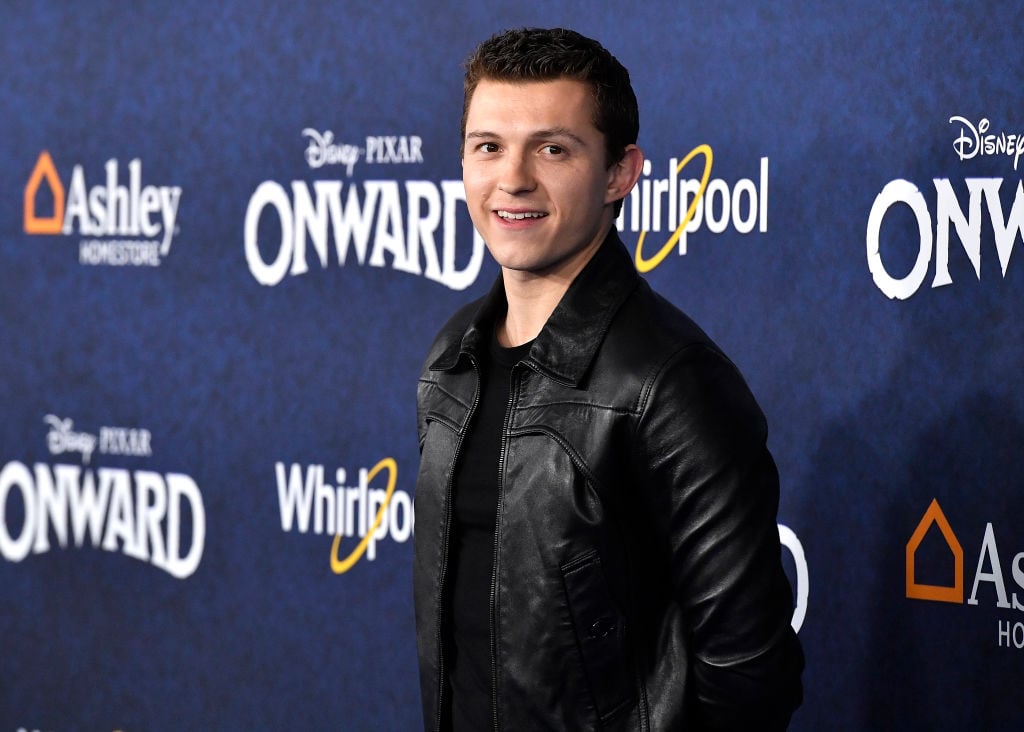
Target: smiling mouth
[(513, 216)]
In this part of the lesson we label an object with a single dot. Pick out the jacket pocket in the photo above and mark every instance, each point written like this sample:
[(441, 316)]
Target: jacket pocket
[(601, 636)]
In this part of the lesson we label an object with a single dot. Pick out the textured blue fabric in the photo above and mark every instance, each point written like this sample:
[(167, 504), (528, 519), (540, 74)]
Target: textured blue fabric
[(876, 406)]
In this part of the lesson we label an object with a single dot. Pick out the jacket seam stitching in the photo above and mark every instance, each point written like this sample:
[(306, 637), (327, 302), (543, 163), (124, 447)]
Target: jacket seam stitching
[(445, 391), (443, 420), (573, 454), (655, 373), (570, 402)]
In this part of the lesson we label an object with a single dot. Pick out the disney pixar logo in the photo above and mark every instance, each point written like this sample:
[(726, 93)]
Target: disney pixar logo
[(323, 150), (975, 140)]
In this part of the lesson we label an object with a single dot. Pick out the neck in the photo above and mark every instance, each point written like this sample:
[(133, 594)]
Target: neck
[(530, 303), (533, 296)]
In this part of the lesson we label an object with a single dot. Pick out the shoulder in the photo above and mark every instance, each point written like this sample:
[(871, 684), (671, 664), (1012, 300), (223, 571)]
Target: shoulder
[(676, 368), (439, 384), (647, 334), (651, 316)]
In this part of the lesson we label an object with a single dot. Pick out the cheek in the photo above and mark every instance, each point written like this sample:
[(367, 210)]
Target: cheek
[(590, 183), (474, 192), (585, 195), (474, 181)]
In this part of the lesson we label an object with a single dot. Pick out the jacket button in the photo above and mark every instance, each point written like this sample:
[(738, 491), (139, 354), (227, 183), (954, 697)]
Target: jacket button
[(601, 628)]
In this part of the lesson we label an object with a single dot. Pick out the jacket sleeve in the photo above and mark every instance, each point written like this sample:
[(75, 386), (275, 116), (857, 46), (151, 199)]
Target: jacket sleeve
[(713, 492)]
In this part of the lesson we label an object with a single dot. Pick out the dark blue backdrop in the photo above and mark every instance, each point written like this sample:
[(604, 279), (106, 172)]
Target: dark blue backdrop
[(179, 395)]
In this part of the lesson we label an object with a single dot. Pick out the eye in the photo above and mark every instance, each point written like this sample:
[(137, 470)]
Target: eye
[(488, 147), (553, 149)]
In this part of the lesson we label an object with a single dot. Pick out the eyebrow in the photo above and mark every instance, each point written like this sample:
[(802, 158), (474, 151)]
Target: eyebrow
[(549, 133)]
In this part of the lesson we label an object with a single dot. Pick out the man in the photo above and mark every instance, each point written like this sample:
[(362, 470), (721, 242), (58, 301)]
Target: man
[(596, 543)]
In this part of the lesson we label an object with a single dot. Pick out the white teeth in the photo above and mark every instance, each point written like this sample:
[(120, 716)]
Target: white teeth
[(521, 216)]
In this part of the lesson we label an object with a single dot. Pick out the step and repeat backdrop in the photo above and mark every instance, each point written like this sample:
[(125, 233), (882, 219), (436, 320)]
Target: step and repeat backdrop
[(228, 232)]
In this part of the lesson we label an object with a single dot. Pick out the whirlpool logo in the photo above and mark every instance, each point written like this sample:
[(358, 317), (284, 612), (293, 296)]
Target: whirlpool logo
[(685, 206), (363, 510)]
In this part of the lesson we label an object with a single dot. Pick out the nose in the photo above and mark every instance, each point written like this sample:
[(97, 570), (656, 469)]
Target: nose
[(516, 175)]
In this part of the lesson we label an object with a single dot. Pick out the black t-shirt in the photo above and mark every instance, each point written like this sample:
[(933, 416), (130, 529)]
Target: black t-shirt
[(475, 496)]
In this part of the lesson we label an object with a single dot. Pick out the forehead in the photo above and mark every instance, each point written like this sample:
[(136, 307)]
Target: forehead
[(525, 104)]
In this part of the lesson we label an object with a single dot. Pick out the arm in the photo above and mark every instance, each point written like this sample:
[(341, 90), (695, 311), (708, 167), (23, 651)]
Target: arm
[(713, 492)]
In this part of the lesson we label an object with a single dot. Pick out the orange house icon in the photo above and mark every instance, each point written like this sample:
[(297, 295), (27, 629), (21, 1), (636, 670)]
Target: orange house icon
[(44, 170), (941, 593)]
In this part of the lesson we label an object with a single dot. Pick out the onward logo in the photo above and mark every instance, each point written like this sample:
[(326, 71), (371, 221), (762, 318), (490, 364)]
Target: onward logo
[(138, 513), (123, 221), (684, 206), (989, 570), (934, 233), (951, 214), (155, 518), (369, 514), (410, 226), (378, 223)]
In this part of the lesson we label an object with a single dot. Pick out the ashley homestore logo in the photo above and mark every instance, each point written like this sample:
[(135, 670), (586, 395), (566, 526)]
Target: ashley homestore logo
[(120, 220), (941, 593), (989, 570)]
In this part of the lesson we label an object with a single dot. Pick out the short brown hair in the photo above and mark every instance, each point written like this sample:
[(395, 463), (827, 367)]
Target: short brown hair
[(543, 54)]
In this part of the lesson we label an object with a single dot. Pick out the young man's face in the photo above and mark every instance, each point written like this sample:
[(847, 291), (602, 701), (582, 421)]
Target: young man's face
[(537, 181)]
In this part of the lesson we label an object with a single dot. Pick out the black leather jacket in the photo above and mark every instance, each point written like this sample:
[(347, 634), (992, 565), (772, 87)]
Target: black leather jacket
[(637, 578)]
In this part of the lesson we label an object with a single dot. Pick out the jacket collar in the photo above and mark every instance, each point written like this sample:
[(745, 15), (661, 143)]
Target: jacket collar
[(567, 344)]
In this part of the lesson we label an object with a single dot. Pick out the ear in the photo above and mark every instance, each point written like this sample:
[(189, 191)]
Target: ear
[(623, 175)]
